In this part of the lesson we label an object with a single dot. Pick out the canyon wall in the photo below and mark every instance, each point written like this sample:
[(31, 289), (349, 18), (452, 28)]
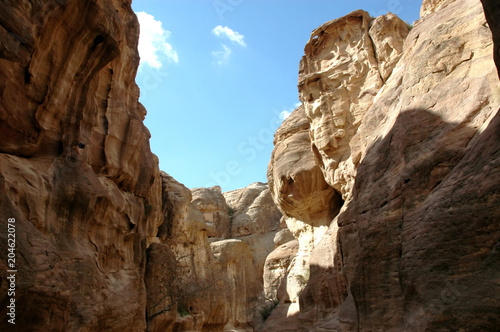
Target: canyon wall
[(76, 170), (204, 269), (104, 241), (404, 127), (386, 183)]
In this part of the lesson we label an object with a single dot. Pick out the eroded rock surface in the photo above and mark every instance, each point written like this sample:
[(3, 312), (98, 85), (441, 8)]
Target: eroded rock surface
[(212, 204), (76, 170), (400, 133), (255, 219), (276, 270), (418, 168), (196, 279), (243, 290), (252, 210), (431, 6), (308, 204), (104, 241), (492, 12), (409, 200), (344, 66), (182, 276), (295, 180)]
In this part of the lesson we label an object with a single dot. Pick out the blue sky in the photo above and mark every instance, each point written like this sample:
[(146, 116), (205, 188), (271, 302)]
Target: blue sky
[(218, 76)]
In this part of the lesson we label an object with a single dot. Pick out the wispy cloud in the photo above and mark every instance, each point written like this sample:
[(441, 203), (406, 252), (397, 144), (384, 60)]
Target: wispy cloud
[(234, 36), (223, 55), (153, 45), (287, 112)]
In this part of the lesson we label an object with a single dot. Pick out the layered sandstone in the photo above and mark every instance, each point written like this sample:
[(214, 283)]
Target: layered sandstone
[(416, 143), (419, 170), (212, 204), (255, 220), (182, 275), (197, 278), (195, 285), (295, 180), (76, 171), (103, 240), (401, 134), (242, 291), (252, 210), (346, 62), (492, 12)]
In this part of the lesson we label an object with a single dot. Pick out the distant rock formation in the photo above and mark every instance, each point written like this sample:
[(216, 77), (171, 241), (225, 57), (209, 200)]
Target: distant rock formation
[(255, 219), (405, 127), (212, 204), (197, 276)]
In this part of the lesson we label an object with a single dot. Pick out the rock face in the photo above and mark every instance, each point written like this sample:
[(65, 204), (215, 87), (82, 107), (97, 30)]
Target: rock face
[(276, 270), (347, 60), (295, 180), (194, 285), (103, 240), (76, 171), (345, 64), (255, 220), (212, 204), (252, 210), (182, 276), (308, 204), (242, 289), (416, 161), (197, 279), (431, 6), (387, 177), (492, 12)]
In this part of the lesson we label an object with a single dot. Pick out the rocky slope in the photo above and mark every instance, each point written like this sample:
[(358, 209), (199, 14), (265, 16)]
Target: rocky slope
[(409, 138)]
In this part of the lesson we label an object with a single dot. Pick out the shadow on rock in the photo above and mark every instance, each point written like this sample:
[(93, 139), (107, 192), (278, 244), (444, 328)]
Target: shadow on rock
[(415, 248)]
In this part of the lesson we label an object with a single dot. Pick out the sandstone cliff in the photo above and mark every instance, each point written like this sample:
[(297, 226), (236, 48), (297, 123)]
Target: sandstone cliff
[(255, 220), (212, 204), (76, 171), (198, 277), (403, 126), (194, 285), (104, 241), (387, 177)]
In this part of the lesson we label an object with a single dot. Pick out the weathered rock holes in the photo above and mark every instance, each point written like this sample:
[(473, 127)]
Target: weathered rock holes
[(98, 40)]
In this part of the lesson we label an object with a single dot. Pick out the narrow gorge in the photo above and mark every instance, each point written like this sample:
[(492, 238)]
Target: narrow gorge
[(381, 211)]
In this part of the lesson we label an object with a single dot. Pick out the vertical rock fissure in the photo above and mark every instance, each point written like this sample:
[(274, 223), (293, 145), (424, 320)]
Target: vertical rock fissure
[(376, 57)]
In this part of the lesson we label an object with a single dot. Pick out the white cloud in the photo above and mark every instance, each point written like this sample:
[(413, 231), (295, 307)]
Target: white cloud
[(285, 114), (233, 36), (153, 46), (223, 55)]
